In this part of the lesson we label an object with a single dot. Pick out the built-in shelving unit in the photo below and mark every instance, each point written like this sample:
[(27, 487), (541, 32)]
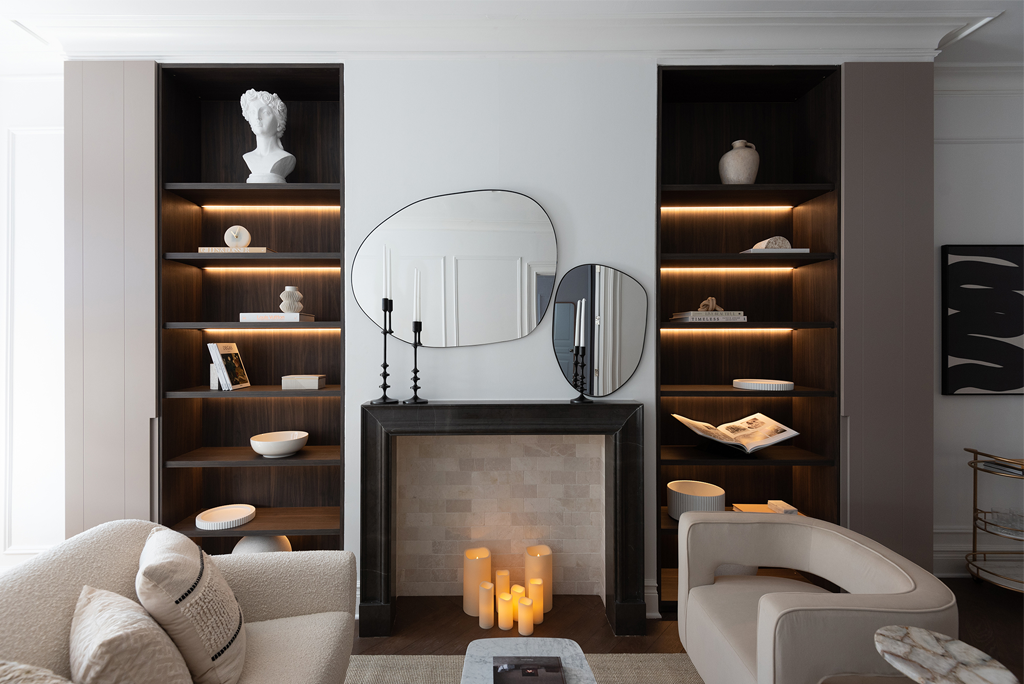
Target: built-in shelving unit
[(205, 457), (791, 300)]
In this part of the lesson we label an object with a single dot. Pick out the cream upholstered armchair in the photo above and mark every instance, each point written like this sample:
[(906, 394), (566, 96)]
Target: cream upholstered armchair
[(770, 630), (299, 607)]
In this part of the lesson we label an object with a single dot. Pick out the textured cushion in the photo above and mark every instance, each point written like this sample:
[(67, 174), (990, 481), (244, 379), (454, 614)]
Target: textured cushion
[(18, 673), (184, 591), (312, 649), (114, 640), (721, 624)]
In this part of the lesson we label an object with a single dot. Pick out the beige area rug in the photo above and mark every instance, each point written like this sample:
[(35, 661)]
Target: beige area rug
[(608, 668)]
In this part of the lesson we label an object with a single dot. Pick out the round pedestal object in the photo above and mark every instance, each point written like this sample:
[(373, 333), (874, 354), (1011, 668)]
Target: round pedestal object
[(262, 545), (739, 165), (691, 495)]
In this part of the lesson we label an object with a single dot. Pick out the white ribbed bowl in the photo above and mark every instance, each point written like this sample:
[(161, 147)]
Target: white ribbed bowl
[(225, 517), (278, 444), (691, 495)]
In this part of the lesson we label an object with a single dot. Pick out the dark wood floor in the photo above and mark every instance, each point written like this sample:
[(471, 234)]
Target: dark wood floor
[(991, 619)]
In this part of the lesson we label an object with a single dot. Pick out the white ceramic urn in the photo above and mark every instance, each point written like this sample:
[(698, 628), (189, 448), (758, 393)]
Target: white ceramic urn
[(738, 166), (291, 299)]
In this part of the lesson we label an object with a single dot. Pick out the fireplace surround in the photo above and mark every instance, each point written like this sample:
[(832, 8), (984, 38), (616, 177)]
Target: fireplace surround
[(620, 422)]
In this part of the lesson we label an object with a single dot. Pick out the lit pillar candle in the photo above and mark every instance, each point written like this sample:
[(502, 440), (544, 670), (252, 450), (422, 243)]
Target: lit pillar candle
[(476, 568), (538, 566), (525, 617), (501, 583), (486, 605), (505, 611), (518, 592), (535, 590)]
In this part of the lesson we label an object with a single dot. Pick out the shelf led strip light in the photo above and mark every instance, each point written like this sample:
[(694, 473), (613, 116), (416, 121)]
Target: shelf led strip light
[(764, 208), (248, 207)]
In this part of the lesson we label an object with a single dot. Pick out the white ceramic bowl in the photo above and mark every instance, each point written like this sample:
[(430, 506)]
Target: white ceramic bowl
[(691, 495), (279, 444), (262, 545)]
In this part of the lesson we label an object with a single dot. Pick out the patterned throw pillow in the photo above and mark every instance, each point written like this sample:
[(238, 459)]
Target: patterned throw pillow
[(114, 640), (19, 673), (185, 592)]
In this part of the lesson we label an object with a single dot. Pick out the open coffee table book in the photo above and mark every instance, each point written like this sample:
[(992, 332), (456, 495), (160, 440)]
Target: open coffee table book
[(540, 669)]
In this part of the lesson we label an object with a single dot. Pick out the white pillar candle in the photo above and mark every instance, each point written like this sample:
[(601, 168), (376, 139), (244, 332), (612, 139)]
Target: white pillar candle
[(525, 617), (576, 326), (384, 273), (501, 583), (518, 592), (388, 262), (486, 605), (476, 568), (538, 566), (416, 295), (535, 590), (583, 323), (505, 611)]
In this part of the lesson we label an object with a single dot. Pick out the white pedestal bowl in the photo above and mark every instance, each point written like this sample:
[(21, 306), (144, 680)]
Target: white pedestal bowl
[(692, 495)]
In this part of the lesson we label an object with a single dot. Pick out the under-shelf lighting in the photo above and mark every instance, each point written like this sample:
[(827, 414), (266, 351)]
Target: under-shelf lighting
[(759, 208), (232, 331), (735, 330), (273, 268), (701, 269), (248, 207)]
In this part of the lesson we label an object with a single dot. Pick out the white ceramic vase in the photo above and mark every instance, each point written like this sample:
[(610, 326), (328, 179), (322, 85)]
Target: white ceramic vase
[(291, 299), (738, 166), (262, 545)]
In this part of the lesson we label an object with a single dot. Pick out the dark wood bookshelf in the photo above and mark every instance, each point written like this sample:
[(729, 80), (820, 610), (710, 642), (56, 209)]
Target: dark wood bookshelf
[(258, 194), (730, 391), (268, 260), (773, 195), (720, 455), (272, 522), (791, 325), (238, 325), (254, 392), (768, 260), (245, 457)]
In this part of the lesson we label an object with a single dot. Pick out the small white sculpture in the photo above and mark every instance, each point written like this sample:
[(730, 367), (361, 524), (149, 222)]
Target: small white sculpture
[(268, 116), (777, 242), (739, 165), (237, 236), (291, 299)]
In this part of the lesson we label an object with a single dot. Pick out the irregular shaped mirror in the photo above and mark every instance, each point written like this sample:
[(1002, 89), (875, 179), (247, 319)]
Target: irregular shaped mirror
[(486, 261), (599, 328)]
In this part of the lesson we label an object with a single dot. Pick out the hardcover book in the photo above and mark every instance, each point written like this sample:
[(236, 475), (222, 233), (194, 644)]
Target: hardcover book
[(234, 250), (275, 317), (534, 669), (229, 365)]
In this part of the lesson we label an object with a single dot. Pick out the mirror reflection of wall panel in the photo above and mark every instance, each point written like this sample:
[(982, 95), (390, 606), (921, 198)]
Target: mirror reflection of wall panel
[(441, 236)]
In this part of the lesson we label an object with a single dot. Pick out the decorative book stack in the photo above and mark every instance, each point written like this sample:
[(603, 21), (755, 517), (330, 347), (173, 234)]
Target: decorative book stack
[(276, 317), (709, 317), (234, 250)]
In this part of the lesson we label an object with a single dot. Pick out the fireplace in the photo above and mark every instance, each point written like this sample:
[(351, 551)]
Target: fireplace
[(621, 423)]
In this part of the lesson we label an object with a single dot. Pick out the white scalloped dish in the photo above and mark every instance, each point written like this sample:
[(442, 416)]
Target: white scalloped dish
[(225, 517)]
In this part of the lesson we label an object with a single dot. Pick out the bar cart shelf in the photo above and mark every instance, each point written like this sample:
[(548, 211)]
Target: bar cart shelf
[(1002, 568)]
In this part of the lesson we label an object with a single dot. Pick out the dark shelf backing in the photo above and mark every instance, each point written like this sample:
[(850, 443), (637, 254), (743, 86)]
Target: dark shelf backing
[(236, 325), (268, 260), (778, 455), (254, 392), (730, 391), (773, 195), (309, 520), (245, 457), (794, 325), (743, 260), (259, 194)]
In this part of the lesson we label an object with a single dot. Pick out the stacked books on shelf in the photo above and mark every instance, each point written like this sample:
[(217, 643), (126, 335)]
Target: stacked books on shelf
[(709, 317), (276, 317), (234, 250)]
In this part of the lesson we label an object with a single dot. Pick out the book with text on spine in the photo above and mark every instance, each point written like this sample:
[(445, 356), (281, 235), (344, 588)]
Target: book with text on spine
[(229, 365), (234, 250), (275, 317)]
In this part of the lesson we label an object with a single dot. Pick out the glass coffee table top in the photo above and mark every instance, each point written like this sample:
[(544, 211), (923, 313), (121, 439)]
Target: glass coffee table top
[(480, 658)]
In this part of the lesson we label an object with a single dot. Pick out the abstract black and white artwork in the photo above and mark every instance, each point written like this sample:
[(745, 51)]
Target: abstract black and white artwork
[(982, 319)]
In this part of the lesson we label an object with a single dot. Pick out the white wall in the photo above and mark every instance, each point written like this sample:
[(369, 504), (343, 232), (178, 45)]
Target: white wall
[(577, 135), (31, 324), (979, 176)]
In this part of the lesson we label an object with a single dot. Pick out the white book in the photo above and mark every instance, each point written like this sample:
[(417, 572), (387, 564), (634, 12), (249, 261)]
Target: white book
[(229, 365), (748, 434), (712, 319), (275, 317), (234, 250), (687, 314), (780, 506), (792, 250), (303, 382)]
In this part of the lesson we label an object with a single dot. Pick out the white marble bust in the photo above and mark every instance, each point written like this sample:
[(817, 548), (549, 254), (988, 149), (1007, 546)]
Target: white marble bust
[(268, 116)]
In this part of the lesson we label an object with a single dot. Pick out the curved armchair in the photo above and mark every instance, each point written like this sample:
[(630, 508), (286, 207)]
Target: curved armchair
[(770, 630)]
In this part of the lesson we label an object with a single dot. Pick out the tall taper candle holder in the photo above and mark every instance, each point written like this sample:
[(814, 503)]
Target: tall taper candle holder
[(387, 306), (417, 328), (581, 354)]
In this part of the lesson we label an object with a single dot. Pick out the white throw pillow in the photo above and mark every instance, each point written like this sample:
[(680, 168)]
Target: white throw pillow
[(114, 640), (185, 592)]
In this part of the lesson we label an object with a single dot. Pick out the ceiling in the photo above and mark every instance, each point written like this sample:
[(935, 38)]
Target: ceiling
[(961, 32)]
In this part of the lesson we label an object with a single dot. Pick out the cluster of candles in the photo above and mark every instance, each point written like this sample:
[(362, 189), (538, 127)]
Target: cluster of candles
[(516, 604), (386, 285)]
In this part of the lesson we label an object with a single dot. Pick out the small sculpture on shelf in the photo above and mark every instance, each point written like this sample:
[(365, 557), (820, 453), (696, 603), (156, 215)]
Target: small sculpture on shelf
[(268, 117), (710, 304), (777, 242), (739, 165), (291, 299)]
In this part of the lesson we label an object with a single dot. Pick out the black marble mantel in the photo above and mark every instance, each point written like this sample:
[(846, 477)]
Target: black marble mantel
[(620, 422)]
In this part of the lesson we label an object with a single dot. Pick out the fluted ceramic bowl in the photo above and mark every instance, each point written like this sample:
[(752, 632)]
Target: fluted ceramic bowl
[(278, 444), (692, 495)]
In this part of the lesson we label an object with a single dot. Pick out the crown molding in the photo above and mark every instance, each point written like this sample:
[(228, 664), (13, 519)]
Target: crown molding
[(988, 79)]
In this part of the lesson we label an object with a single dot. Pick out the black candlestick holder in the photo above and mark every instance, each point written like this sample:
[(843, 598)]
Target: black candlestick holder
[(387, 306), (579, 363), (417, 328)]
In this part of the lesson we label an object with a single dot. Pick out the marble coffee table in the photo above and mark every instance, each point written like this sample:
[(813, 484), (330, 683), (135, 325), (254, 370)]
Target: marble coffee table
[(480, 658), (928, 657)]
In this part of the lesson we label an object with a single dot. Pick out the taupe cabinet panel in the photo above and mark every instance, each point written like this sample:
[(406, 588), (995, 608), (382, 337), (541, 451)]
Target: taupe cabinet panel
[(888, 301), (110, 277)]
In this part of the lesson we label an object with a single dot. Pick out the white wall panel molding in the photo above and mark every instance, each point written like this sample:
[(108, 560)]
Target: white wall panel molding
[(972, 80)]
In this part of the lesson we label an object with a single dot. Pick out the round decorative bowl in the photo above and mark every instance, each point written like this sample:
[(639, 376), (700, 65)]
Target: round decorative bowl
[(278, 444), (262, 545), (691, 495)]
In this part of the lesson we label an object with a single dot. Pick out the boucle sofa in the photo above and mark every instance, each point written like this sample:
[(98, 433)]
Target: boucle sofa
[(746, 629), (299, 607)]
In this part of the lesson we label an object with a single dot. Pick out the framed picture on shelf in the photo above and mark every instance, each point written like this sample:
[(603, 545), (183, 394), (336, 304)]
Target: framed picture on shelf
[(982, 319), (229, 365)]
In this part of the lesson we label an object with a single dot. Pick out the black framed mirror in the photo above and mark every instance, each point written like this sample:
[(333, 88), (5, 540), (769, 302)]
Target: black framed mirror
[(599, 328)]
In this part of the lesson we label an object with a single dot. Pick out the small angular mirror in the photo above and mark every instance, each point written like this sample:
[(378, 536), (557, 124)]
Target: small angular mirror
[(600, 323)]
